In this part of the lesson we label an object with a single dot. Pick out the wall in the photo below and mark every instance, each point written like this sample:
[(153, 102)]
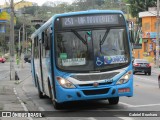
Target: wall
[(148, 39)]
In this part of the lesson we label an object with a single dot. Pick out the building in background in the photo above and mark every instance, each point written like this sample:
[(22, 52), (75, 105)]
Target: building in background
[(19, 5), (2, 26), (148, 35), (4, 17)]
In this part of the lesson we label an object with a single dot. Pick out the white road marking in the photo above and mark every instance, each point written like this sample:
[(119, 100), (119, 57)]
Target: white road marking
[(125, 118), (15, 92), (41, 109), (128, 105), (92, 118), (89, 118), (148, 105), (22, 103)]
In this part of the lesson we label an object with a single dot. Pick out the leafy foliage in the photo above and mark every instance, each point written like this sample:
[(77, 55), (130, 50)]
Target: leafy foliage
[(50, 8), (137, 6)]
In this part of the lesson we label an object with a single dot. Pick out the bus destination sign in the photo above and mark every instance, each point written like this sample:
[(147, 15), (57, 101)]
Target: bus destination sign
[(87, 20)]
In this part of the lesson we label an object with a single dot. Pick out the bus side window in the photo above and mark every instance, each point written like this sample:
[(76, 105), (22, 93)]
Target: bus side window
[(36, 47), (47, 38), (43, 38)]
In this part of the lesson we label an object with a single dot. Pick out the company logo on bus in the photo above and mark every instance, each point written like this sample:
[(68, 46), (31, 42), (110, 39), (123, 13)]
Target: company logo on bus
[(95, 84)]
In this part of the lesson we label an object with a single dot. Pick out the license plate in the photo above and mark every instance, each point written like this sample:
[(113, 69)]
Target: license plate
[(143, 65)]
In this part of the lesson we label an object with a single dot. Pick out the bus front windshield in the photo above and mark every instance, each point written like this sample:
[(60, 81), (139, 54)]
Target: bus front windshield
[(92, 50)]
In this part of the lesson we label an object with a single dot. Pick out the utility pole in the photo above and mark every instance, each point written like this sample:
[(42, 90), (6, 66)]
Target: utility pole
[(26, 42), (12, 59), (19, 42), (127, 11), (157, 41), (23, 40)]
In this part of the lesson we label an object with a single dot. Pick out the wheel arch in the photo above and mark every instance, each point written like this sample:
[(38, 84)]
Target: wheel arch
[(50, 86)]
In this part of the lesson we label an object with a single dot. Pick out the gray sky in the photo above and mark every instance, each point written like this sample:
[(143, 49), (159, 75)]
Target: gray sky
[(40, 2)]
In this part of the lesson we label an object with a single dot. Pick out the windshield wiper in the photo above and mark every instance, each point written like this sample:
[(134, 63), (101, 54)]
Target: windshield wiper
[(104, 37), (79, 36), (101, 41)]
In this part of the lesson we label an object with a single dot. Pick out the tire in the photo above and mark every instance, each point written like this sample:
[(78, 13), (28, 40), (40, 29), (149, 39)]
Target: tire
[(159, 82), (56, 105), (40, 94), (34, 80), (113, 101), (145, 73), (149, 73)]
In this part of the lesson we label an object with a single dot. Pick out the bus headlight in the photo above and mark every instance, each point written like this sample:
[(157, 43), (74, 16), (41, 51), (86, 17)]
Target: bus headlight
[(124, 79), (65, 83)]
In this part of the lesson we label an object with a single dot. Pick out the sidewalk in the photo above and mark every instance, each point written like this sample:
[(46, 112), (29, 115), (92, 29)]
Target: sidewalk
[(12, 95), (9, 100), (155, 69)]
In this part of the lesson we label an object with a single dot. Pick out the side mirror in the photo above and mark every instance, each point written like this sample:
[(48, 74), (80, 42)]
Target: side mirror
[(131, 31)]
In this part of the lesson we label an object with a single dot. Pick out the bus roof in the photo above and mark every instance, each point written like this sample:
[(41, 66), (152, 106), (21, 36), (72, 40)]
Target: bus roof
[(49, 22), (89, 11)]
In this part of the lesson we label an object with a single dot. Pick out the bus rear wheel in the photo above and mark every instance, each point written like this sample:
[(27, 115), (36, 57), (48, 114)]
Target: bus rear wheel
[(113, 101), (40, 94)]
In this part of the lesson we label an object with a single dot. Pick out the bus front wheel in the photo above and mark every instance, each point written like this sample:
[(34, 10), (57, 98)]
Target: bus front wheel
[(55, 104), (113, 101)]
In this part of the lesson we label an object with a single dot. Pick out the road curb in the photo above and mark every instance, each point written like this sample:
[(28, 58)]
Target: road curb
[(8, 98)]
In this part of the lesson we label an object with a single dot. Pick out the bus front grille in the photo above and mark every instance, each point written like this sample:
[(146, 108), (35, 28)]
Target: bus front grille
[(88, 85), (95, 92), (95, 76)]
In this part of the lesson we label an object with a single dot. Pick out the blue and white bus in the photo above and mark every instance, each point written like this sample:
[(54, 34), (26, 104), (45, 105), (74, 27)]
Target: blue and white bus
[(83, 56)]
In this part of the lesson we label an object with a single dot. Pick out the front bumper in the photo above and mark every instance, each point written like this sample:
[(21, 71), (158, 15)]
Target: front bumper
[(92, 93), (142, 69)]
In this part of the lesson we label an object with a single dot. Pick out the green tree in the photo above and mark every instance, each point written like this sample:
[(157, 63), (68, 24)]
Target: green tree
[(137, 6)]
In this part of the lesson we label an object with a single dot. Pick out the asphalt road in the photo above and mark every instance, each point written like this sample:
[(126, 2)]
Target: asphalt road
[(146, 98), (4, 70)]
